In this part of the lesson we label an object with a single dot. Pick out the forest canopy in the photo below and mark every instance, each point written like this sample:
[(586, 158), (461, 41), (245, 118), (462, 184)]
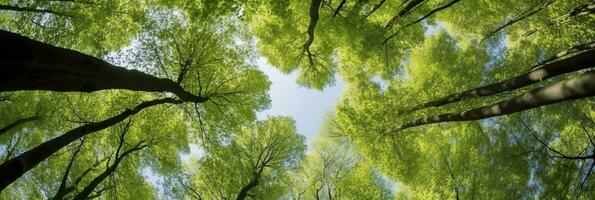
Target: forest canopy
[(159, 99)]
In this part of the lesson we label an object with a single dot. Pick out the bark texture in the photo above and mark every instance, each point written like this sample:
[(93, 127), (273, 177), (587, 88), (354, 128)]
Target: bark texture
[(26, 64), (578, 62), (575, 88)]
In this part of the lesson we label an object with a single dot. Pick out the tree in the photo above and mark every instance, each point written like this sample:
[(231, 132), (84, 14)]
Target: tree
[(97, 27), (251, 164), (333, 169), (229, 91), (37, 66), (157, 99)]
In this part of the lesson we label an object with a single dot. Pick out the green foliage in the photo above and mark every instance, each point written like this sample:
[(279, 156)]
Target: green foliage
[(209, 47), (264, 151)]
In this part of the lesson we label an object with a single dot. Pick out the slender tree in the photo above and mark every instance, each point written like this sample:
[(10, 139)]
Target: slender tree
[(575, 63), (575, 88), (17, 123), (526, 14), (376, 7), (119, 156), (17, 166), (314, 7), (411, 4), (432, 12), (582, 10), (32, 10)]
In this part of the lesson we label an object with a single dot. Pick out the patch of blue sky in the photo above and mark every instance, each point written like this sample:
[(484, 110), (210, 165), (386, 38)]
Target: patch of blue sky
[(387, 183), (381, 82), (497, 46), (306, 106), (432, 29)]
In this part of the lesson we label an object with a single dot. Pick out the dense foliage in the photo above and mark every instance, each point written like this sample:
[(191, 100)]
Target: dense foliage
[(157, 99)]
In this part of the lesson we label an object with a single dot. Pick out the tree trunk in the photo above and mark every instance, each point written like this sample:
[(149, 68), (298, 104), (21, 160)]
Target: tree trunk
[(16, 123), (86, 192), (585, 9), (339, 7), (412, 4), (314, 7), (26, 64), (445, 6), (528, 13), (252, 184), (376, 7), (33, 10), (16, 167), (575, 88), (575, 49), (580, 61), (62, 189)]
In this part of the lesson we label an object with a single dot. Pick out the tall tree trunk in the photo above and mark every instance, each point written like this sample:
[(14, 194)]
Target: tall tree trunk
[(16, 167), (62, 189), (314, 7), (528, 13), (17, 122), (445, 6), (585, 9), (575, 88), (339, 7), (574, 49), (89, 188), (376, 7), (252, 184), (408, 7), (32, 10), (580, 61), (26, 64)]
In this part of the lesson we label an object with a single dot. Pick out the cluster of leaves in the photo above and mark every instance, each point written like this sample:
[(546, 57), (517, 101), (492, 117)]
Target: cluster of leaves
[(393, 55)]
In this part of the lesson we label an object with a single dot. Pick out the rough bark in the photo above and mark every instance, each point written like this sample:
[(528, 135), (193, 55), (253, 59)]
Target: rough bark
[(580, 61), (575, 49), (26, 64), (17, 123), (408, 8), (528, 13), (575, 88), (445, 6), (16, 167)]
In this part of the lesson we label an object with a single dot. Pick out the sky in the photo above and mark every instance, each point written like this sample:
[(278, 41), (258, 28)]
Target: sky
[(306, 106)]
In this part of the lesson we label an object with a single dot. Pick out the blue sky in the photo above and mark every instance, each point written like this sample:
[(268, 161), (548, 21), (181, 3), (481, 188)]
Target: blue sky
[(306, 106)]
